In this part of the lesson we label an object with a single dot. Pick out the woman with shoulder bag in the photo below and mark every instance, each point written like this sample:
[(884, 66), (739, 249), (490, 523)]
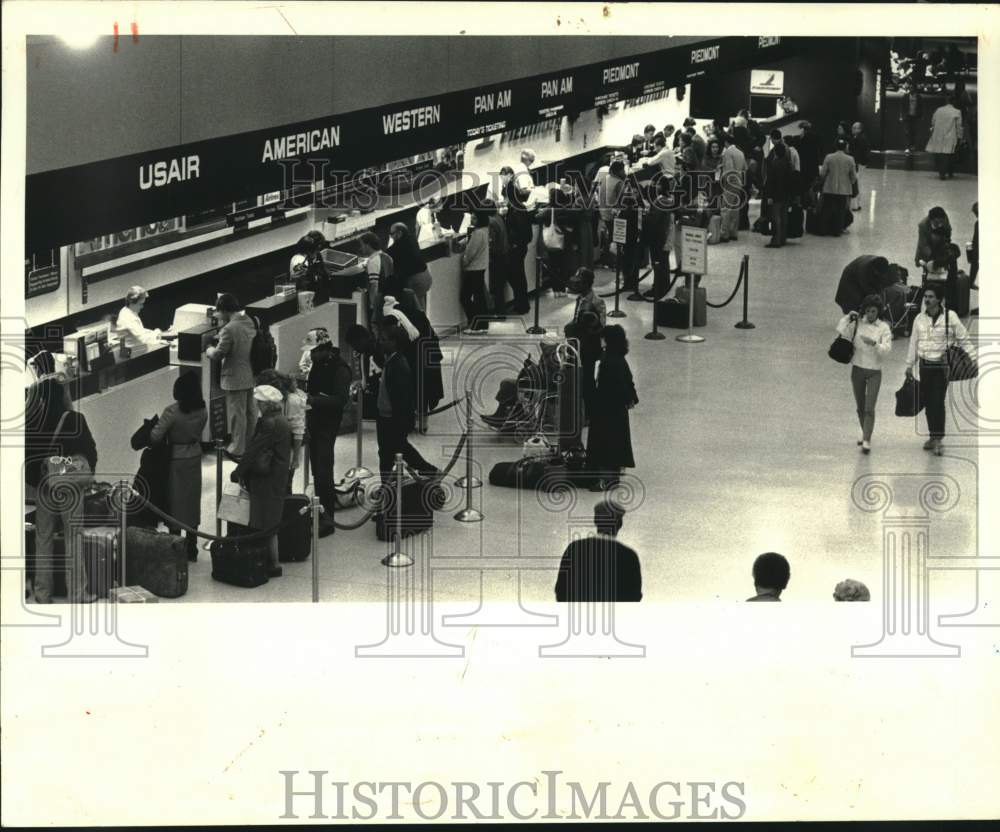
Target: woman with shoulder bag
[(60, 439), (872, 340), (936, 330), (180, 425), (263, 468)]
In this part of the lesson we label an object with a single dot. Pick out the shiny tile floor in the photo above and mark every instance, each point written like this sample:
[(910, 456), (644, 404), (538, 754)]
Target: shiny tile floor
[(745, 443)]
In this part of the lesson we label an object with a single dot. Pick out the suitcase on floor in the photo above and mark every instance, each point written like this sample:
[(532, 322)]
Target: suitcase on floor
[(794, 227), (700, 304), (420, 500), (714, 230), (671, 313), (295, 539), (964, 286), (762, 225), (240, 564), (814, 222), (99, 550), (156, 561)]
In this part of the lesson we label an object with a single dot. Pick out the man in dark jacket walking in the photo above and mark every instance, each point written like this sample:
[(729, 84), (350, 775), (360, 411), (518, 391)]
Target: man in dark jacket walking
[(780, 191), (329, 391)]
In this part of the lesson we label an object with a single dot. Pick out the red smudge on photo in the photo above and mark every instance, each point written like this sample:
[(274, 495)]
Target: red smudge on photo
[(135, 32), (114, 46)]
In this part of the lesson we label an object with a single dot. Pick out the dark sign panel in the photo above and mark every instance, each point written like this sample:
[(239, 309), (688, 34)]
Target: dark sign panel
[(172, 182)]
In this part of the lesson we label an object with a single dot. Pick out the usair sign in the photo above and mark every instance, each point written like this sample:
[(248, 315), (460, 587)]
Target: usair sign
[(767, 82)]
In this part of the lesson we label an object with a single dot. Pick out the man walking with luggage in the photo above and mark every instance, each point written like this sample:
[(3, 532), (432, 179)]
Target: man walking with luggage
[(236, 375)]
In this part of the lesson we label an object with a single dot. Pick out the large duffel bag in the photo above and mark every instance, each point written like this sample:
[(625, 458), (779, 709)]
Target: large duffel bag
[(156, 561), (295, 538), (421, 498), (240, 563)]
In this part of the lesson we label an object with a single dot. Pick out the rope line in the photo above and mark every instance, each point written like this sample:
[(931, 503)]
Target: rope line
[(445, 407), (729, 300)]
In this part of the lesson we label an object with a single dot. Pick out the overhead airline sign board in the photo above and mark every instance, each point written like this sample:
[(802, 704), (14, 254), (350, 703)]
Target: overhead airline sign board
[(83, 202), (767, 82)]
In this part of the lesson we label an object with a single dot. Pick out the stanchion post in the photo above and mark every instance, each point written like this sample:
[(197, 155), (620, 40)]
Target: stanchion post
[(617, 312), (745, 275), (359, 472), (468, 481), (219, 446), (316, 509), (655, 334), (123, 494), (537, 329), (398, 556)]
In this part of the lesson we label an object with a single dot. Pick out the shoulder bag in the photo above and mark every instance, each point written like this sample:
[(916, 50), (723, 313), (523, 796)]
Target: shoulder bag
[(63, 471), (842, 350), (552, 237), (961, 365)]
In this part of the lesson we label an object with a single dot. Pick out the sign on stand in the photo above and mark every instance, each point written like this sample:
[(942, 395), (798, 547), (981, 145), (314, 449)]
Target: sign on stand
[(694, 250), (619, 233)]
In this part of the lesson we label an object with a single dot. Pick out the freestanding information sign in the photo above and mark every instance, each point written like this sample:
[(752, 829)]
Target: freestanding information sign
[(694, 260)]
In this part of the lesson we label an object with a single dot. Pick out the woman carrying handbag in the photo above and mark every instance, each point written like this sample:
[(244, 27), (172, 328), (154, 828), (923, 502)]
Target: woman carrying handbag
[(940, 351), (871, 342)]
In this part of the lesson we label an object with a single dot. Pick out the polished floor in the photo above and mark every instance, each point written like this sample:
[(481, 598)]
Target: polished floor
[(744, 443)]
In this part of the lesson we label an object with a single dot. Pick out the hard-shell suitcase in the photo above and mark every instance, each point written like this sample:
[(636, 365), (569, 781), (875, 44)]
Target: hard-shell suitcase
[(964, 289), (700, 304), (295, 539), (99, 548), (671, 313), (156, 561), (240, 563)]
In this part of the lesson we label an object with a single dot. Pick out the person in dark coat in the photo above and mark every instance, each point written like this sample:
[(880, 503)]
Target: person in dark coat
[(263, 469), (520, 233), (600, 568), (329, 391), (866, 275), (609, 443), (54, 428), (781, 191), (933, 236), (180, 427), (810, 155), (409, 267), (430, 385), (655, 238)]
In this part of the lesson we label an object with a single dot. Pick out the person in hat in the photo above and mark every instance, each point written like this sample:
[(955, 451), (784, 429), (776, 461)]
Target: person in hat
[(263, 469), (181, 424), (129, 325)]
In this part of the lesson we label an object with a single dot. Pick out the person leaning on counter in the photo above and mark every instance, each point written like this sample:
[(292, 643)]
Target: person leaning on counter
[(129, 325), (236, 374)]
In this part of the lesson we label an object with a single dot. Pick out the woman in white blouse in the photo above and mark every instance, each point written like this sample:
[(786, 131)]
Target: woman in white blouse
[(872, 340), (129, 324), (926, 358)]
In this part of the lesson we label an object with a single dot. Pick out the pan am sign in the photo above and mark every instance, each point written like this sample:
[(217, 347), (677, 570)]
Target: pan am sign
[(767, 82)]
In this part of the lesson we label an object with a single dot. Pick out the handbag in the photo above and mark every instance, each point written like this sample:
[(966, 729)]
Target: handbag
[(552, 237), (65, 471), (961, 365), (842, 350), (234, 507), (909, 398)]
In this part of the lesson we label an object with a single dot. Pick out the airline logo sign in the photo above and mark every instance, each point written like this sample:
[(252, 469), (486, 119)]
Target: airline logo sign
[(705, 55), (767, 82), (413, 119), (491, 101)]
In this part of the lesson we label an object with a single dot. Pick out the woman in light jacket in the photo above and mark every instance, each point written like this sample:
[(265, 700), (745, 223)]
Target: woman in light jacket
[(872, 340), (926, 358), (180, 425), (475, 258)]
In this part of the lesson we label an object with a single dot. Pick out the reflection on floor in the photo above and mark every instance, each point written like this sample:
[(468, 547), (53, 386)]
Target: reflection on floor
[(745, 443)]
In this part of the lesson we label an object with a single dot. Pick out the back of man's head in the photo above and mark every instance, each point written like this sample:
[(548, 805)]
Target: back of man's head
[(841, 144), (228, 303), (771, 571), (608, 517), (776, 136)]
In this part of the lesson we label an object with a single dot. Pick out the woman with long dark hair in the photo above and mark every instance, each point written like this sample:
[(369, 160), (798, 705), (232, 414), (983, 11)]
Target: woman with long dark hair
[(54, 428), (609, 443), (181, 424), (410, 269)]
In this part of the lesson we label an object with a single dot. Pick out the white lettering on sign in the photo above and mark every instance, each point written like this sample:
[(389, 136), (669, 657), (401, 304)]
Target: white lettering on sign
[(557, 86), (763, 43), (488, 102), (700, 56), (625, 72), (410, 119), (159, 174), (298, 144)]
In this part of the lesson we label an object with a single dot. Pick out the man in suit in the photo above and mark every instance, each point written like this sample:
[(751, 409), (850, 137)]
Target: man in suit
[(236, 375), (770, 577), (599, 568), (839, 175)]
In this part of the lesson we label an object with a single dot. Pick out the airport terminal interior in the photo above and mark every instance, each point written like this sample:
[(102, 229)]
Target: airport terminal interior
[(745, 441)]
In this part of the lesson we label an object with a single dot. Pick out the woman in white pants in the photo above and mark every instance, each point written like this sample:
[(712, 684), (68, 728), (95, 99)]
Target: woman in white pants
[(872, 340)]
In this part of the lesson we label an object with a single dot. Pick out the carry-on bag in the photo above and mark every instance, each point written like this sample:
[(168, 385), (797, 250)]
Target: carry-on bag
[(295, 538), (240, 563)]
